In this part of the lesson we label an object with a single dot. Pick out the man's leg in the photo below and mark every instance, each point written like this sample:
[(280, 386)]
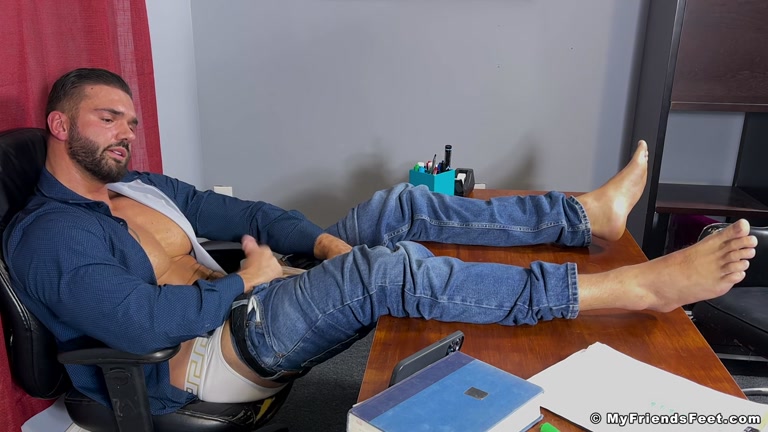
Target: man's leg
[(306, 319), (705, 270), (298, 322), (414, 213)]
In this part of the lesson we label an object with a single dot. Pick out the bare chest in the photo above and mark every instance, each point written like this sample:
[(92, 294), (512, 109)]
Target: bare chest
[(158, 235)]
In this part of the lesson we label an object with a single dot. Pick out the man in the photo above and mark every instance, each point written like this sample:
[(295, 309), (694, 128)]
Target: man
[(108, 254)]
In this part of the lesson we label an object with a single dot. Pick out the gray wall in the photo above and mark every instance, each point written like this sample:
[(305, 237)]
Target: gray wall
[(173, 57), (314, 104)]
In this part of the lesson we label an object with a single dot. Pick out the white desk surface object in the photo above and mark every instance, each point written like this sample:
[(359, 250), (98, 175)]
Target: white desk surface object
[(599, 387)]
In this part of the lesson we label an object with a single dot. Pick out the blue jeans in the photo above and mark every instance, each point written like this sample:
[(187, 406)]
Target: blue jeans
[(301, 321)]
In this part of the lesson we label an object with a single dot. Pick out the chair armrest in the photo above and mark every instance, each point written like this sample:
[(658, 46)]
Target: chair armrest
[(227, 254), (214, 245), (109, 356), (301, 261), (124, 378)]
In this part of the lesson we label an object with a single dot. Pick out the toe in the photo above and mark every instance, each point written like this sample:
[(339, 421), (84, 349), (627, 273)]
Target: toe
[(736, 266)]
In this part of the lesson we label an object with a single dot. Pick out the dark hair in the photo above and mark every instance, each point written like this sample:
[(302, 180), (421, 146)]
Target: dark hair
[(66, 93)]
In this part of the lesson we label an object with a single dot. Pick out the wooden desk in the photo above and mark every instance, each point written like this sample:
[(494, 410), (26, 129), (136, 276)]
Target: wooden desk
[(666, 340)]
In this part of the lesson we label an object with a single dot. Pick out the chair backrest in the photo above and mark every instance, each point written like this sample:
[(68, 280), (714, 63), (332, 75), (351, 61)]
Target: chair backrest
[(31, 347)]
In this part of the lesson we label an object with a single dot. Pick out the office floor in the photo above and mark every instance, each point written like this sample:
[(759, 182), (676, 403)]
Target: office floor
[(750, 375), (320, 400)]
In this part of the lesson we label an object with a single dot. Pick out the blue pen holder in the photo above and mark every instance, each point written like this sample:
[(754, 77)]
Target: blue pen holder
[(441, 183)]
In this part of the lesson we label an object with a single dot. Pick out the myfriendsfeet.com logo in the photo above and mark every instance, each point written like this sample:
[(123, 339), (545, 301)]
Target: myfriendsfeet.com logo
[(633, 418)]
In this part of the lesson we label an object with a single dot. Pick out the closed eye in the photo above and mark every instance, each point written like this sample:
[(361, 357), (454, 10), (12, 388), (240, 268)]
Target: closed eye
[(107, 120)]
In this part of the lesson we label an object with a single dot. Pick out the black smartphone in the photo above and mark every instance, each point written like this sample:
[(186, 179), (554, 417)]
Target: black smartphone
[(426, 356)]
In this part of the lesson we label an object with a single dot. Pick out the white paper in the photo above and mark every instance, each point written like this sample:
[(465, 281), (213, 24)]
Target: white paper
[(602, 382)]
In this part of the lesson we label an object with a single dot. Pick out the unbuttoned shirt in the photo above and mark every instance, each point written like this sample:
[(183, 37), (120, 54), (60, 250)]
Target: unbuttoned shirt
[(76, 267)]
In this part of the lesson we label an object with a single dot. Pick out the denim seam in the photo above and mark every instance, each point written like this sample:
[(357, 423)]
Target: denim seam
[(463, 303), (570, 313), (573, 290), (395, 233), (585, 225), (488, 225), (460, 302), (387, 285)]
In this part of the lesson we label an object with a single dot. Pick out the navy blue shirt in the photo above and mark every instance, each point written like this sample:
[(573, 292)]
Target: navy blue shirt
[(79, 271)]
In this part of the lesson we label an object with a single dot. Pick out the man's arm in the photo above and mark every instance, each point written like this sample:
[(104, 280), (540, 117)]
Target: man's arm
[(67, 265), (328, 246), (259, 266), (219, 217)]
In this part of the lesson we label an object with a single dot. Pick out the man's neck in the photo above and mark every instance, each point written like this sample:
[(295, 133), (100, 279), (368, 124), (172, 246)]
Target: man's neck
[(75, 179)]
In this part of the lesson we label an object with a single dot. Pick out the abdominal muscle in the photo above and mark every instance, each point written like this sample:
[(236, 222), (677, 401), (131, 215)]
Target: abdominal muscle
[(168, 249)]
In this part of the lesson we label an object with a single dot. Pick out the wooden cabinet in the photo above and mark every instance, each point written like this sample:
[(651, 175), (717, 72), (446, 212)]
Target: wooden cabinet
[(702, 55)]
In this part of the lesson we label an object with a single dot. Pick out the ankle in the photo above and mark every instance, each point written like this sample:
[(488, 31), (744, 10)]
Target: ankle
[(638, 295)]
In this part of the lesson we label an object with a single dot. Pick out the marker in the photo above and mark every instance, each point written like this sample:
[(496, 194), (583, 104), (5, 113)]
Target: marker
[(448, 151), (546, 427)]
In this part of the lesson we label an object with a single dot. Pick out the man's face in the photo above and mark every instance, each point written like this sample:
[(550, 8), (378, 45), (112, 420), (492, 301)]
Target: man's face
[(100, 139)]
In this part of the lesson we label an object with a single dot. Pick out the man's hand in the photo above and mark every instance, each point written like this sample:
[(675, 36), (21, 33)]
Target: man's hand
[(328, 246), (259, 266)]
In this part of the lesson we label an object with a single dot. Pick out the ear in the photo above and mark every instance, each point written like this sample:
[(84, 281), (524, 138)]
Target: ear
[(58, 124)]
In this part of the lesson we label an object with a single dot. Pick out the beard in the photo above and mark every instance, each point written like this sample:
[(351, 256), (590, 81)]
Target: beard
[(96, 161)]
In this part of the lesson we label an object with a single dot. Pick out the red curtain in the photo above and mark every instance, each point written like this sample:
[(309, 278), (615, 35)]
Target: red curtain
[(41, 40)]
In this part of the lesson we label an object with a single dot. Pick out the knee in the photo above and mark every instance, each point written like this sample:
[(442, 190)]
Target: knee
[(406, 194), (400, 188), (396, 192), (412, 250), (405, 251), (395, 200)]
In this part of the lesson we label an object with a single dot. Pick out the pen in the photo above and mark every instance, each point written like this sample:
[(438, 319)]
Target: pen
[(448, 151), (434, 159)]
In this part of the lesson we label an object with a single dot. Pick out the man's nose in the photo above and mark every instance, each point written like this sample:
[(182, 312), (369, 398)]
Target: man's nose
[(126, 133)]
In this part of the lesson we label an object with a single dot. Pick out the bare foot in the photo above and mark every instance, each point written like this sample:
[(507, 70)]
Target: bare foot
[(608, 206), (705, 270)]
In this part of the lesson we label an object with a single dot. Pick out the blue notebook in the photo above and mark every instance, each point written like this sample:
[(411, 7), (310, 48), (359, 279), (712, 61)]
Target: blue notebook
[(456, 393)]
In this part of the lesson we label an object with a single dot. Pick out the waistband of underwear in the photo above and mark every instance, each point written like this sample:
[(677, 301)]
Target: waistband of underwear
[(196, 365), (237, 321)]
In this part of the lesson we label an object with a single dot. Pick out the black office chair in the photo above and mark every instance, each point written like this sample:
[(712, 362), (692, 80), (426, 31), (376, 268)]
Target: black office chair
[(36, 365), (739, 319)]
